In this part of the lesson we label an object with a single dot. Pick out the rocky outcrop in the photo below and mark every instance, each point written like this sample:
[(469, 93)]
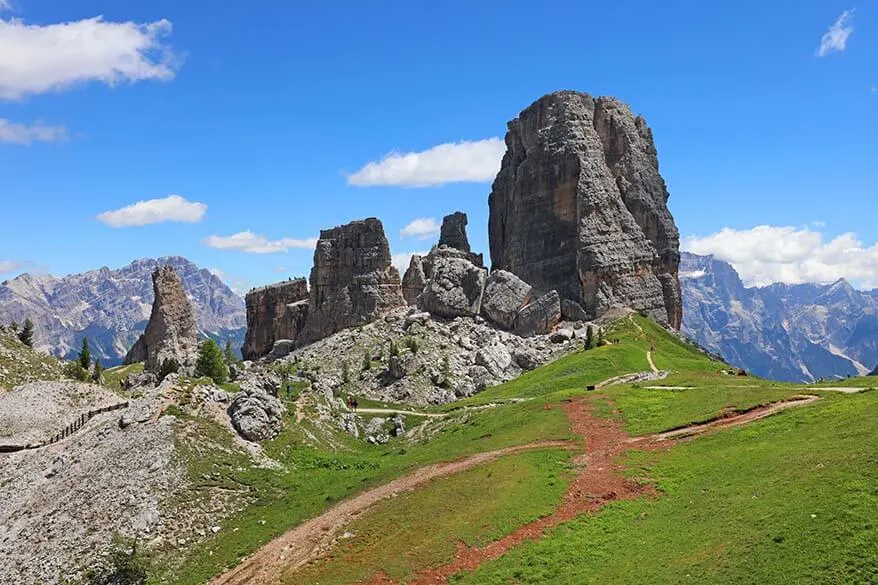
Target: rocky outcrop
[(256, 414), (454, 288), (352, 281), (539, 317), (579, 207), (414, 280), (170, 333), (274, 312), (505, 295)]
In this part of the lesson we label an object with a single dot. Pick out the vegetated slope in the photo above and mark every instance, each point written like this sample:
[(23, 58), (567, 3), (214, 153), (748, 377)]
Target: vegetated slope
[(798, 333), (20, 364), (111, 307), (312, 476)]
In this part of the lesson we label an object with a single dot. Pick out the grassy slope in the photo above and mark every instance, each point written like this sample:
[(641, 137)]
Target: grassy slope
[(790, 499), (20, 364), (313, 478)]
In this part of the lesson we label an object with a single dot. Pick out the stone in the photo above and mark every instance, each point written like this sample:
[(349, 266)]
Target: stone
[(539, 317), (171, 332), (454, 288), (494, 358), (572, 311), (256, 415), (579, 207), (398, 421), (274, 312), (282, 348), (352, 282), (401, 366), (525, 359), (561, 336), (414, 280), (505, 295)]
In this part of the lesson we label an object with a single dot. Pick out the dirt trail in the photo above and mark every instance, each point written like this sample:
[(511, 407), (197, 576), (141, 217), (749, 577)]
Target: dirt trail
[(651, 363), (395, 411), (307, 541)]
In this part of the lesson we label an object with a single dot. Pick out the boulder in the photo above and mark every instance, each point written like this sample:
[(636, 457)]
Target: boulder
[(579, 207), (572, 311), (414, 280), (398, 425), (274, 312), (454, 289), (171, 332), (256, 415), (402, 365), (505, 295), (539, 317), (281, 348), (352, 282), (494, 358), (526, 359), (561, 336)]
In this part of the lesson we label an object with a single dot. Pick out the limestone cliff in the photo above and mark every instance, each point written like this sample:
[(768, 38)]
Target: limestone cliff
[(352, 281), (274, 312), (171, 331), (579, 207)]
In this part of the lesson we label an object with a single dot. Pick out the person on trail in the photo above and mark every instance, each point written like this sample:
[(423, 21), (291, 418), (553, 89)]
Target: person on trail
[(356, 404), (350, 403)]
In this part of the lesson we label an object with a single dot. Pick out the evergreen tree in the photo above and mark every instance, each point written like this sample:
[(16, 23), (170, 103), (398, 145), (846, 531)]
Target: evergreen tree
[(85, 355), (98, 375), (345, 372), (26, 336), (601, 341), (589, 337), (367, 359), (211, 362), (229, 353)]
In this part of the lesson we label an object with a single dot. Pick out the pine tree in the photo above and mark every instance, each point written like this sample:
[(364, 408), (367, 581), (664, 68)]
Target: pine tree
[(26, 336), (367, 359), (589, 337), (601, 341), (229, 353), (85, 355), (98, 375), (345, 372), (211, 363)]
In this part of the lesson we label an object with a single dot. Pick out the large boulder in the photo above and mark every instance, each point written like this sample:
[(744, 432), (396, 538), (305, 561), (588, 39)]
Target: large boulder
[(505, 295), (274, 312), (171, 332), (256, 414), (414, 280), (454, 288), (352, 282), (579, 207), (539, 317)]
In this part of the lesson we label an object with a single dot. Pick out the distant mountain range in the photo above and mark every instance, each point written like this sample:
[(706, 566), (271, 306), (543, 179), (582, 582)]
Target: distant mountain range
[(797, 333), (112, 307)]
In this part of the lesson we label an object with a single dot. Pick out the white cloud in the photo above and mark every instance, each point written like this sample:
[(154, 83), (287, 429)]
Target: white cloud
[(258, 244), (767, 254), (422, 228), (12, 133), (402, 260), (693, 274), (464, 161), (171, 208), (5, 5), (38, 59), (9, 266), (836, 38)]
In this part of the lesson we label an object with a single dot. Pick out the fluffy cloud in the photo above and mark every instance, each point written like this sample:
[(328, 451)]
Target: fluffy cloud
[(171, 208), (38, 59), (5, 5), (422, 228), (9, 266), (836, 38), (401, 260), (258, 244), (767, 254), (458, 162), (23, 134)]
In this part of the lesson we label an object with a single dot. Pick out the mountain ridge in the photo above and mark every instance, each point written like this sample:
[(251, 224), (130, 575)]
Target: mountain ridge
[(111, 306)]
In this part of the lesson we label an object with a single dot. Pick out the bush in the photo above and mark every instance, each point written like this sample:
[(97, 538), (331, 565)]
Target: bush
[(211, 362), (168, 366), (589, 337), (97, 376), (412, 343), (345, 372), (75, 371), (125, 565), (367, 360), (394, 349), (26, 336)]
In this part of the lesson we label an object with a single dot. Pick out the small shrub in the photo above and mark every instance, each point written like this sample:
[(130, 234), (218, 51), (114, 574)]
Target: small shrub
[(211, 362), (394, 349), (125, 565), (345, 372), (446, 372), (367, 360), (589, 337), (75, 371), (97, 376), (411, 342)]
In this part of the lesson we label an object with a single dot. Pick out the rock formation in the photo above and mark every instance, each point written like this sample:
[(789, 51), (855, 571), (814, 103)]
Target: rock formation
[(579, 207), (274, 312), (170, 333), (414, 280), (505, 295), (454, 288), (540, 316), (352, 281)]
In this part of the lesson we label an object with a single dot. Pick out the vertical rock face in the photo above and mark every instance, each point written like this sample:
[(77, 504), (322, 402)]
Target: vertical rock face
[(352, 281), (170, 333), (579, 207), (274, 312), (453, 232)]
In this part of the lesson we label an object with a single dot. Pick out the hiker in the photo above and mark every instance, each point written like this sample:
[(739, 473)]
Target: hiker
[(355, 403), (350, 403)]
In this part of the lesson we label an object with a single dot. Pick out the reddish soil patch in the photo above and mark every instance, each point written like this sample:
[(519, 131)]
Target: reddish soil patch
[(599, 480)]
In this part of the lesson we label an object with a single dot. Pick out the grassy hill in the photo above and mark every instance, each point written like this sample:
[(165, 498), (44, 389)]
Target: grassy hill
[(20, 364), (787, 499)]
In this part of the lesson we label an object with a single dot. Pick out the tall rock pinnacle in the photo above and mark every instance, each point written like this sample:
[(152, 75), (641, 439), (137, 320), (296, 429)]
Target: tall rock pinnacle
[(579, 206), (170, 333)]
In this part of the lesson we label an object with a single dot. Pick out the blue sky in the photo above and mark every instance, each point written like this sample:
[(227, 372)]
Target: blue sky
[(257, 114)]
